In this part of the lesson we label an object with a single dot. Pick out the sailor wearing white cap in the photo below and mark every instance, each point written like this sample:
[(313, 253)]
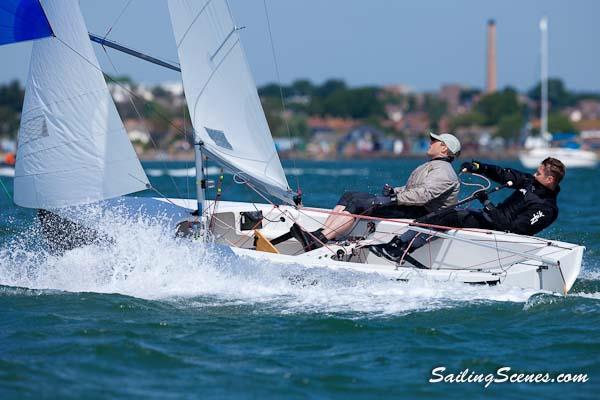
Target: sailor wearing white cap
[(430, 186), (450, 141)]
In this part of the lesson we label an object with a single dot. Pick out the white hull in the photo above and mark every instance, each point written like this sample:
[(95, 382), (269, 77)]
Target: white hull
[(572, 158), (486, 257)]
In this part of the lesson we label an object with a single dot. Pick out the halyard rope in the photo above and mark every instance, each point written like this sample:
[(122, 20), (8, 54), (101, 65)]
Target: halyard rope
[(287, 125)]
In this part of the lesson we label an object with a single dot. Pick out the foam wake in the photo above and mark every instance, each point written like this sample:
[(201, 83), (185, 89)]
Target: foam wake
[(144, 260)]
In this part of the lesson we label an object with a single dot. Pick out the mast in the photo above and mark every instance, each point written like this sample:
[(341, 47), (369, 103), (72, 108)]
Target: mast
[(200, 179), (544, 76)]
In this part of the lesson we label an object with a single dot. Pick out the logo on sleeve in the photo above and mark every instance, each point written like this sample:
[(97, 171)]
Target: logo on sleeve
[(524, 191), (536, 217)]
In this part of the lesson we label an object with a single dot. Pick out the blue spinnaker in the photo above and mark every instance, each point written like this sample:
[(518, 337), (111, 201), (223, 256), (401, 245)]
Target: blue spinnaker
[(22, 20)]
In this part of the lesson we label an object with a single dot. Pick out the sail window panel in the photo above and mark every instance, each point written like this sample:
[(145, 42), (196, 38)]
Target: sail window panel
[(219, 138), (33, 128)]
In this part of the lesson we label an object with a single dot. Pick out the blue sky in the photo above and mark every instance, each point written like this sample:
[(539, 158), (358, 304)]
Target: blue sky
[(422, 43)]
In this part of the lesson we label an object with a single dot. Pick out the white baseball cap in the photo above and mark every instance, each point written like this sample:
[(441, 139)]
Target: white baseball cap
[(449, 140)]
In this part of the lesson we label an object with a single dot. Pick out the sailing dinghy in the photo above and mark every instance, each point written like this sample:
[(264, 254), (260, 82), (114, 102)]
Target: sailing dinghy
[(73, 150)]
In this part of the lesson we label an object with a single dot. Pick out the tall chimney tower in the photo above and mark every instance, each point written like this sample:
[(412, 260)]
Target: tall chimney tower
[(491, 83)]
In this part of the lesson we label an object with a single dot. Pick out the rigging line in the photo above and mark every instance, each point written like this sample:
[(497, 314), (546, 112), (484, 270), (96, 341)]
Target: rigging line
[(244, 182), (498, 253), (118, 18), (192, 23), (265, 218), (404, 254), (144, 124), (150, 187), (6, 190), (518, 260), (287, 126), (397, 221), (212, 206), (245, 239)]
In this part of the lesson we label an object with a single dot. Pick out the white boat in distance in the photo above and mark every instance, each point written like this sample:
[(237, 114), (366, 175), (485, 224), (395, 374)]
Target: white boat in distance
[(572, 158), (73, 151), (541, 149)]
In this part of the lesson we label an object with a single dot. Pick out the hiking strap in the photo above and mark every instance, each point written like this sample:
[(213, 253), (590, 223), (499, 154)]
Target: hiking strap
[(413, 261)]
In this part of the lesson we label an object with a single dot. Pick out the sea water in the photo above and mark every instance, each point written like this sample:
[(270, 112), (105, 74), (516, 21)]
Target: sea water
[(150, 316)]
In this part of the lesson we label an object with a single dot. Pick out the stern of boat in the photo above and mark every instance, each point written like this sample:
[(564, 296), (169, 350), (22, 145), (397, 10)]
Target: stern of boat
[(570, 266)]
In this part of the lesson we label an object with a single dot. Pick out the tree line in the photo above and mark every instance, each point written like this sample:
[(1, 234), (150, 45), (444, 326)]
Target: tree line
[(505, 109)]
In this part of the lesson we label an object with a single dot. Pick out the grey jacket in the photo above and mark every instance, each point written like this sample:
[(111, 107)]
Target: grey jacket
[(433, 185)]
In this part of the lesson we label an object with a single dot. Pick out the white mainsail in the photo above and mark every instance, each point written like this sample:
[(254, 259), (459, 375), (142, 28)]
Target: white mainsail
[(222, 100), (73, 148)]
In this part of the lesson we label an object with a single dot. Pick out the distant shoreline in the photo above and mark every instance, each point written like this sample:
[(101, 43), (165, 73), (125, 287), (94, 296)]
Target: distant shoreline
[(189, 156)]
